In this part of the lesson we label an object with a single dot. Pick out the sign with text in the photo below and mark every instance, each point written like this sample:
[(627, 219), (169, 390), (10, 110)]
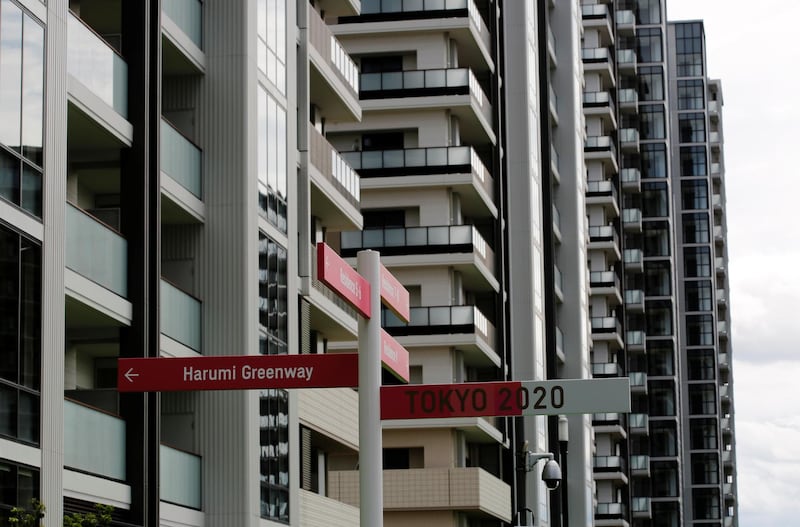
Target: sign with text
[(394, 295), (334, 272), (512, 398), (242, 372), (394, 357)]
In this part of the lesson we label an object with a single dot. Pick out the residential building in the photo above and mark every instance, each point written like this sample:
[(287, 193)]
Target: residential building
[(545, 178)]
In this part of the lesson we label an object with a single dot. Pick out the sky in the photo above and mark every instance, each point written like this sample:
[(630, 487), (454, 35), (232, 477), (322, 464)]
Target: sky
[(752, 48)]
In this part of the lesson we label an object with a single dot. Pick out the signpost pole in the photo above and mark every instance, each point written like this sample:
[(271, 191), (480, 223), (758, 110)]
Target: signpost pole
[(370, 447)]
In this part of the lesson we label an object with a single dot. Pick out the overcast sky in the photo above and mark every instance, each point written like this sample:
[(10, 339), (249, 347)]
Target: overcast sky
[(752, 48)]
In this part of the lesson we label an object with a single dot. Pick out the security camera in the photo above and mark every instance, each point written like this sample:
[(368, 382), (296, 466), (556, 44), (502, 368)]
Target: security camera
[(551, 475)]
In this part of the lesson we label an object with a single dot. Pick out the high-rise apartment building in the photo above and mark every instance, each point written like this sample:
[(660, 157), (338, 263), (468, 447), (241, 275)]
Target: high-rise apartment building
[(545, 178)]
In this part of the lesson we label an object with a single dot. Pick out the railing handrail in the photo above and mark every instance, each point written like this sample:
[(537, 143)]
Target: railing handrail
[(95, 33), (180, 132), (471, 82), (182, 450), (96, 220), (181, 290), (347, 155), (93, 408)]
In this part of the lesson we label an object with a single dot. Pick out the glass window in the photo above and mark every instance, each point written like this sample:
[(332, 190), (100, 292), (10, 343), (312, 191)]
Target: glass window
[(692, 127), (699, 330), (701, 365), (664, 479), (271, 42), (656, 238), (698, 295), (660, 362), (689, 49), (648, 11), (662, 398), (697, 262), (703, 434), (706, 504), (693, 161), (658, 316), (652, 124), (663, 439), (272, 168), (694, 194), (655, 199), (651, 83), (18, 486), (691, 94), (705, 469), (648, 44), (657, 278), (272, 295), (702, 399), (654, 160), (696, 228)]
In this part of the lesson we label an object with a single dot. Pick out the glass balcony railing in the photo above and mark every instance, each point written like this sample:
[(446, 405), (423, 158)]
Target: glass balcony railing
[(602, 233), (96, 65), (638, 379), (181, 316), (603, 279), (631, 216), (633, 256), (94, 441), (595, 189), (634, 338), (96, 251), (403, 240), (628, 96), (634, 296), (607, 418), (605, 325), (556, 217), (559, 340), (609, 463), (629, 135), (425, 320), (594, 55), (181, 159), (558, 278), (597, 99), (187, 15), (610, 509), (630, 177), (640, 463), (637, 421), (626, 57), (606, 369), (596, 11), (625, 17), (600, 143), (334, 167), (180, 477), (640, 505)]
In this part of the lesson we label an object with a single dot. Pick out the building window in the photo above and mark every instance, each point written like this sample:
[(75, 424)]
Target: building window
[(655, 199), (272, 169), (698, 296), (662, 398), (705, 469), (696, 228), (694, 194), (272, 296), (689, 49), (664, 480), (693, 161), (699, 330), (703, 434), (657, 278), (652, 121), (656, 238), (697, 262), (19, 484), (702, 399), (691, 94), (658, 316), (648, 44), (663, 439), (648, 11), (21, 108), (654, 160), (701, 365), (271, 43), (20, 336), (692, 127), (651, 83), (706, 504), (659, 359)]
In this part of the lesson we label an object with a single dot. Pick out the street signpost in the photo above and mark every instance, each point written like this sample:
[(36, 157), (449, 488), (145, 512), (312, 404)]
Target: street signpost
[(337, 274), (240, 372), (514, 398), (394, 357), (394, 295)]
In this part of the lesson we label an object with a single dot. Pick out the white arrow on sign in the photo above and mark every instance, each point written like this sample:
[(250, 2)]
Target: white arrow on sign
[(129, 374)]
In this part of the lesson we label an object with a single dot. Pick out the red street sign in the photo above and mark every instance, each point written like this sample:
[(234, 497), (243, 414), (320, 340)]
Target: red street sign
[(394, 356), (394, 295), (474, 399), (334, 272), (242, 372)]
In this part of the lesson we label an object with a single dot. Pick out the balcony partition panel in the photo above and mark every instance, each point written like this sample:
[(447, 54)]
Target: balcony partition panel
[(180, 477), (96, 251), (181, 159), (94, 441), (181, 316)]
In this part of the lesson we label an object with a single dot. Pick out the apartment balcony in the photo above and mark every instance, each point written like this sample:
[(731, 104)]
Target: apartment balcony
[(558, 283), (460, 18), (727, 492), (604, 238), (629, 139), (598, 17), (181, 178), (456, 167), (560, 345), (600, 104), (635, 341), (714, 139), (181, 317), (321, 511), (97, 86), (610, 514), (453, 89), (330, 315), (606, 369), (603, 193), (725, 394), (600, 61), (336, 187), (463, 327), (552, 102), (640, 467), (725, 425), (607, 329), (633, 260), (722, 330), (638, 424), (716, 171), (180, 476), (723, 362), (638, 381), (460, 247), (634, 300), (641, 508), (96, 274), (333, 77), (459, 489), (94, 441), (332, 412), (713, 110), (602, 148), (605, 283), (727, 458), (612, 424), (182, 42), (632, 219), (626, 60), (555, 164), (727, 521), (631, 179), (719, 265), (628, 100), (609, 468), (626, 22), (722, 298)]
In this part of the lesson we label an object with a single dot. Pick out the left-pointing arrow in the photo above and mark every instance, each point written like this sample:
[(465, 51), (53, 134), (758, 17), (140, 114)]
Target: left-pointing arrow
[(129, 374)]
